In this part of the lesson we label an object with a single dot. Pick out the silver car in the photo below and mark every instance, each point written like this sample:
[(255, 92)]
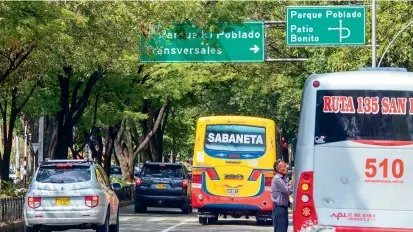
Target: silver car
[(71, 194)]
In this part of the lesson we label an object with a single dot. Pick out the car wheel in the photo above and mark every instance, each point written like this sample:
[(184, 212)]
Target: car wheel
[(140, 208), (104, 227), (30, 229), (202, 220), (186, 208), (115, 228)]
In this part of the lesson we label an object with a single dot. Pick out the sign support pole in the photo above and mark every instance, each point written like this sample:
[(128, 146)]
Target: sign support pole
[(373, 33)]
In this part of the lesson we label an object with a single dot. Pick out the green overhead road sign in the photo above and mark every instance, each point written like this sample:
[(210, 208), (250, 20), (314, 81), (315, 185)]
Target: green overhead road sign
[(326, 26), (188, 43)]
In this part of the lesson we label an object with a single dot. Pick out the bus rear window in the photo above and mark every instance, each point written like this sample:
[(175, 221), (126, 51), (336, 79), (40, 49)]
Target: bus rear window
[(363, 115), (233, 138)]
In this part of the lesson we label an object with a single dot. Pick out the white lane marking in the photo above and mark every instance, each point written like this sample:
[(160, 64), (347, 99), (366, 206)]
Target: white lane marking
[(173, 227), (156, 219), (191, 220)]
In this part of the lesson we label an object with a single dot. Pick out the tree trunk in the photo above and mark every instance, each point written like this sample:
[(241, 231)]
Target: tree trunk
[(152, 146), (14, 112), (109, 143), (124, 150), (71, 110), (63, 140), (64, 133), (146, 152), (8, 147), (159, 144), (100, 148), (124, 145)]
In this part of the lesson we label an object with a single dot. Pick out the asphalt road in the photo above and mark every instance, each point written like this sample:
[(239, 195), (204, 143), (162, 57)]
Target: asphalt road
[(165, 220)]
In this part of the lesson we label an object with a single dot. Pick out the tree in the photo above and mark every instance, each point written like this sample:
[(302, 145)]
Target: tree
[(13, 102)]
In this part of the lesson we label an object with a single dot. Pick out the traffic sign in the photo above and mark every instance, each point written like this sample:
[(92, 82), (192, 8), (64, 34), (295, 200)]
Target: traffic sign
[(189, 43), (326, 25)]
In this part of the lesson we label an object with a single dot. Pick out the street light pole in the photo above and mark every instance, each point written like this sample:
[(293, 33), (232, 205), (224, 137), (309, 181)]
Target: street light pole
[(392, 41), (373, 33)]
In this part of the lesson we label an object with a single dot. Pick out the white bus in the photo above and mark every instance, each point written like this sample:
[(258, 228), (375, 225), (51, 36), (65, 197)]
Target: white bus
[(354, 148)]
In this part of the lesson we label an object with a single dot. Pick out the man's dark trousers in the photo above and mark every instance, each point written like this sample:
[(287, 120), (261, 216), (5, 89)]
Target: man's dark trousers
[(280, 218)]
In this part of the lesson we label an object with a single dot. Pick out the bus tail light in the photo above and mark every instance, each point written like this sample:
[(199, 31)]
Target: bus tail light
[(269, 175), (304, 212), (268, 181)]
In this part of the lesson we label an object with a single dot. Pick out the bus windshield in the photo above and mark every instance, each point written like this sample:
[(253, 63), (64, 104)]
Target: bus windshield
[(363, 115)]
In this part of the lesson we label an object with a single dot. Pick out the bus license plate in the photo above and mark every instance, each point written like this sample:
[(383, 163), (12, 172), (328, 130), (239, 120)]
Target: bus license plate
[(232, 191), (63, 201)]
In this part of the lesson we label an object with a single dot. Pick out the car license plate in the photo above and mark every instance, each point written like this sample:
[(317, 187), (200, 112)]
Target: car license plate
[(232, 191), (63, 201), (161, 186)]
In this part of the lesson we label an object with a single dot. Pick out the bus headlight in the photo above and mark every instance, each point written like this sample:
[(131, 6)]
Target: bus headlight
[(200, 197)]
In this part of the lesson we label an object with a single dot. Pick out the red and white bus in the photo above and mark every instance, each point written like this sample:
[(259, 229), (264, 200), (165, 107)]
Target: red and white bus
[(354, 148)]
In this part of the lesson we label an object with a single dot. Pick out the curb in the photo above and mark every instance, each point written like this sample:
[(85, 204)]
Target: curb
[(18, 226), (125, 203)]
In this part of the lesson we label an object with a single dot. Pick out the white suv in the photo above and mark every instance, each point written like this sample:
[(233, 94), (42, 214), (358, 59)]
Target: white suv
[(71, 194)]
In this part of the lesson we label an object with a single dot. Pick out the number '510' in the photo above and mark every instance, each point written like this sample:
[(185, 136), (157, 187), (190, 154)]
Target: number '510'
[(397, 168)]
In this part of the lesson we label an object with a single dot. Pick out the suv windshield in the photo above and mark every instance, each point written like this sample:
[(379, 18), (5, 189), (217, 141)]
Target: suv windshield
[(162, 171), (51, 174)]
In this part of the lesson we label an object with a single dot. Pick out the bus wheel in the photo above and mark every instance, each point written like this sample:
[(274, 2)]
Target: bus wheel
[(203, 220), (260, 222), (213, 220)]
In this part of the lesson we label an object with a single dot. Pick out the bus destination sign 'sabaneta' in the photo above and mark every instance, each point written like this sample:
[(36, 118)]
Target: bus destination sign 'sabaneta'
[(326, 26), (188, 43)]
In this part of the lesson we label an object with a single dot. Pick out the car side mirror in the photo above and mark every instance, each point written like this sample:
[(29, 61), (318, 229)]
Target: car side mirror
[(190, 177)]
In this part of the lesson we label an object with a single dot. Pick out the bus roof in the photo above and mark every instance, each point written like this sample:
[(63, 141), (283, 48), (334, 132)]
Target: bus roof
[(235, 119), (360, 80)]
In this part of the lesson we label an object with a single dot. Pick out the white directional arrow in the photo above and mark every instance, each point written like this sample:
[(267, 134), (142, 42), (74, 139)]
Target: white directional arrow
[(255, 48), (341, 29)]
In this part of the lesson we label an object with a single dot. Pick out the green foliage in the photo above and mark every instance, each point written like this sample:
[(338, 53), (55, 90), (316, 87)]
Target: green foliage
[(9, 189), (86, 35)]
